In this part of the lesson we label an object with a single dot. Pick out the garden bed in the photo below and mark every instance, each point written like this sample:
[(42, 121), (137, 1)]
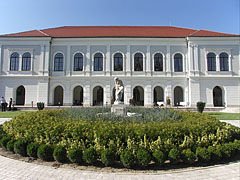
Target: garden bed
[(159, 138)]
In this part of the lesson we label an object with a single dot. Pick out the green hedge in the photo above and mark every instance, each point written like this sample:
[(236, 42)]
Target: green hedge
[(183, 136)]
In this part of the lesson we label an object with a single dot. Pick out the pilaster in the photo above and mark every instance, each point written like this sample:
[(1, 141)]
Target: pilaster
[(41, 62), (128, 61), (87, 94), (46, 61), (68, 61), (168, 61), (127, 92), (196, 60), (148, 96), (108, 61), (148, 62), (88, 62)]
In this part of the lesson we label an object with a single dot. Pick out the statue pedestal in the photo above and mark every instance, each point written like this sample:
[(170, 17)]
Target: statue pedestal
[(119, 109)]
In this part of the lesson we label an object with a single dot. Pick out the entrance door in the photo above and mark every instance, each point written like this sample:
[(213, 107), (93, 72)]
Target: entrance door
[(98, 96), (138, 96), (58, 96), (217, 96), (20, 96), (178, 95), (78, 96)]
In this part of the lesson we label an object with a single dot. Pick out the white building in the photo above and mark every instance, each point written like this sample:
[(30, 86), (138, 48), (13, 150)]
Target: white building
[(77, 65)]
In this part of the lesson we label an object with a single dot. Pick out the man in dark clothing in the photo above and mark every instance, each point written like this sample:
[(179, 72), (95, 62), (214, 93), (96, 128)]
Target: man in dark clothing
[(3, 104)]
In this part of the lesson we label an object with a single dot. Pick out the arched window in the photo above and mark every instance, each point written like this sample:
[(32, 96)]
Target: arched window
[(158, 62), (223, 62), (211, 62), (78, 62), (118, 62), (178, 63), (26, 61), (98, 62), (58, 62), (138, 62), (14, 62)]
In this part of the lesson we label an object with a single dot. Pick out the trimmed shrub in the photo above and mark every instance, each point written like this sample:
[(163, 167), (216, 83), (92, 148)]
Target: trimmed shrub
[(60, 154), (215, 152), (203, 154), (200, 106), (90, 155), (143, 157), (20, 146), (159, 157), (127, 158), (32, 149), (107, 157), (45, 152), (75, 155), (10, 145), (188, 156), (4, 142), (174, 156), (227, 150), (236, 146), (40, 105)]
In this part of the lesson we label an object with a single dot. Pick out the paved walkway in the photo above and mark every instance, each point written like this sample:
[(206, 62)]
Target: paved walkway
[(11, 169)]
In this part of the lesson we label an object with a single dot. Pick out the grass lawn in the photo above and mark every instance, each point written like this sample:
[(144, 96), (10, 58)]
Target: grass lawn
[(10, 114), (225, 116)]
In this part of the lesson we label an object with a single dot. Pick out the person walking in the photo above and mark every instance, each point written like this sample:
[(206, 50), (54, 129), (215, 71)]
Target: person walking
[(3, 104), (10, 105)]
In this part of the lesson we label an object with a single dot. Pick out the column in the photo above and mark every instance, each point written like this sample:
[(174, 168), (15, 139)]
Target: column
[(68, 62), (88, 62), (128, 61), (47, 61), (108, 62), (148, 62), (168, 61)]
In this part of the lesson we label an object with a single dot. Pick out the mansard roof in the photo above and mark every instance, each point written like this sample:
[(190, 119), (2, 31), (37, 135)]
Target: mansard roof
[(119, 31)]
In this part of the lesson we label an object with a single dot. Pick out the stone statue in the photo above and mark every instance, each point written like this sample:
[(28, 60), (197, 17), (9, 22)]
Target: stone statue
[(119, 89)]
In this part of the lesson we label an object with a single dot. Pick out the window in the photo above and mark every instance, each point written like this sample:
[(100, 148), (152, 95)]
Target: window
[(14, 62), (211, 62), (26, 61), (118, 62), (223, 62), (58, 62), (158, 62), (98, 62), (178, 63), (138, 62), (78, 62)]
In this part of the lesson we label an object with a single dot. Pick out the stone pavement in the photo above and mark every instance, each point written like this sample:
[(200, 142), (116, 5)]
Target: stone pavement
[(11, 169)]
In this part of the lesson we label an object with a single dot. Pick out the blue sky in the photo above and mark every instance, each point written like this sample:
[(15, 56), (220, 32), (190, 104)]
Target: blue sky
[(214, 15)]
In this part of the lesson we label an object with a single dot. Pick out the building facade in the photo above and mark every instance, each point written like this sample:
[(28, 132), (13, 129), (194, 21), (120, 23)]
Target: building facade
[(77, 65)]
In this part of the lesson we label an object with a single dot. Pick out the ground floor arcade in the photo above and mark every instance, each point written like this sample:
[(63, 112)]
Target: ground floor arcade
[(138, 91)]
